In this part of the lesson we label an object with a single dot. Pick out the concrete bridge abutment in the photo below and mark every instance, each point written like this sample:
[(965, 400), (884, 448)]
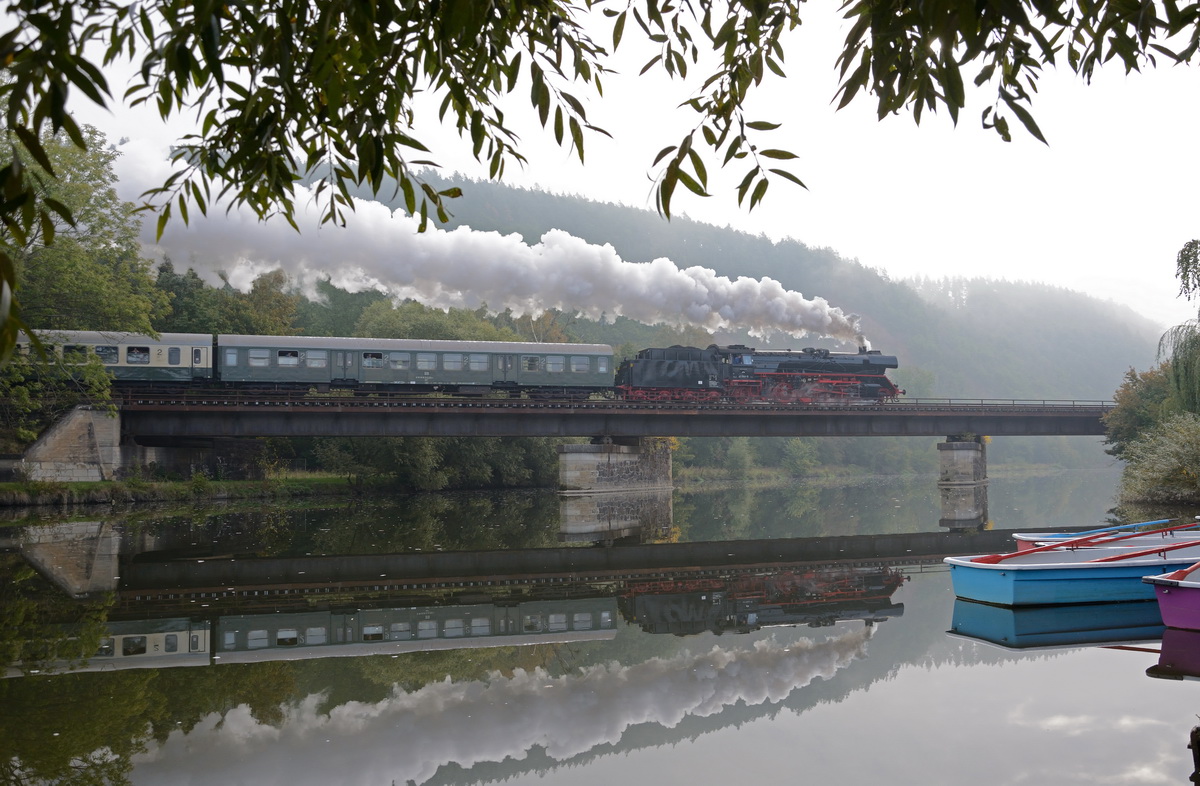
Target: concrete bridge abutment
[(87, 444)]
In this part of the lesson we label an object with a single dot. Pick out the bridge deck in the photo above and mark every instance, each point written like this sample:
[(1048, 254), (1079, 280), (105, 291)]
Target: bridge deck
[(191, 415)]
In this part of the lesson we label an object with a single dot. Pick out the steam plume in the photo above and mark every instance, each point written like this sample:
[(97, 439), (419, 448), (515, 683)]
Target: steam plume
[(468, 269), (407, 737)]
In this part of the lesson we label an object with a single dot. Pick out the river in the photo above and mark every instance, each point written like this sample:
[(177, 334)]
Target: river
[(847, 674)]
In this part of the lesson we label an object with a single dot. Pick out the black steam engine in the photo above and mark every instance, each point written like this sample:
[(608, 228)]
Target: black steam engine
[(743, 374)]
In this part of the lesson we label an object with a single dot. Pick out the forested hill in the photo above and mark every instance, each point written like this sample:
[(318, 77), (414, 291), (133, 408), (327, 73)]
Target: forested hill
[(962, 337)]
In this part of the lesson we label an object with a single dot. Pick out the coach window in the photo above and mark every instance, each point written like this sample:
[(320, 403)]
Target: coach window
[(532, 624), (400, 361), (316, 358), (555, 363), (452, 629), (287, 637), (427, 629), (138, 356), (602, 365), (230, 640), (259, 357), (75, 353), (452, 361), (481, 626), (108, 355), (315, 636), (106, 649), (372, 633), (531, 363), (173, 356), (372, 360), (580, 364), (288, 357), (231, 357), (477, 362), (556, 622), (256, 639), (133, 645), (426, 361), (582, 620), (401, 630), (171, 642)]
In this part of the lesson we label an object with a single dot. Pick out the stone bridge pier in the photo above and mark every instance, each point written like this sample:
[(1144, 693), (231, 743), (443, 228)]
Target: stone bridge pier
[(616, 465), (963, 482)]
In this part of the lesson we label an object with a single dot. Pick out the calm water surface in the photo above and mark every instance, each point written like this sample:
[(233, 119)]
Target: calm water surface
[(829, 699)]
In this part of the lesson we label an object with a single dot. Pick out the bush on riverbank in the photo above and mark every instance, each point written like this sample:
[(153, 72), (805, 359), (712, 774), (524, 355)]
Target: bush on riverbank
[(1163, 465)]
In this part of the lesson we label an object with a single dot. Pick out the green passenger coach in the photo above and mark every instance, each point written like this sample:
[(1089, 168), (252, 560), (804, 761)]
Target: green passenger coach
[(465, 367)]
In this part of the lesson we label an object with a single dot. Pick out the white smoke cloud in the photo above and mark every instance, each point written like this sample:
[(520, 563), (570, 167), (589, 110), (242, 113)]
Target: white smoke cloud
[(464, 268), (409, 736)]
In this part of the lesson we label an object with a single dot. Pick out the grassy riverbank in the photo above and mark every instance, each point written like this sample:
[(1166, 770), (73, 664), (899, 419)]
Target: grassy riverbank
[(37, 493)]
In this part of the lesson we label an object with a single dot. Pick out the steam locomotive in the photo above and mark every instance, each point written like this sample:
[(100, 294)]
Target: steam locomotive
[(745, 375), (735, 373)]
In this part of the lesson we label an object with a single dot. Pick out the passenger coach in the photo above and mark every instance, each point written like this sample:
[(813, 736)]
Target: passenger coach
[(416, 365), (133, 357)]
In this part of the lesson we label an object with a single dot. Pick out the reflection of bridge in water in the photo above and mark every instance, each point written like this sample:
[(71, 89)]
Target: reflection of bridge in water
[(91, 558)]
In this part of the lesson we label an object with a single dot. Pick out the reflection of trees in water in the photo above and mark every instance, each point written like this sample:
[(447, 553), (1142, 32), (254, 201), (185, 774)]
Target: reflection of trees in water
[(395, 524), (879, 506), (39, 625)]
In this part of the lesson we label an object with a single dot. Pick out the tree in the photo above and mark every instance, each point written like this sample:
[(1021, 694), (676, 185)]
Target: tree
[(93, 276), (195, 306), (1141, 403), (34, 393), (411, 319), (1180, 347), (289, 89)]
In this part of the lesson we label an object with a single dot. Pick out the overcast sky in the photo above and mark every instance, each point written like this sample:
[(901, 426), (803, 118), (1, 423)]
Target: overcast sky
[(1103, 209)]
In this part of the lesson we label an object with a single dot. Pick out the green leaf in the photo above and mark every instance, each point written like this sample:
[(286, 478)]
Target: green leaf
[(618, 30), (789, 176), (781, 155)]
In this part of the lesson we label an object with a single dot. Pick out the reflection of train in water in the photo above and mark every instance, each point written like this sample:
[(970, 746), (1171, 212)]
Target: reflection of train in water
[(747, 603), (140, 644), (683, 605)]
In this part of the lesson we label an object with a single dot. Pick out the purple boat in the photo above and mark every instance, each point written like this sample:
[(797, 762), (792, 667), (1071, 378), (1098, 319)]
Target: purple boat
[(1178, 594), (1179, 656)]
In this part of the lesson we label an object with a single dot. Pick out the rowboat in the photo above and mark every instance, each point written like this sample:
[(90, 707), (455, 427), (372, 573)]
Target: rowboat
[(1055, 627), (1074, 571), (1028, 540), (1178, 594)]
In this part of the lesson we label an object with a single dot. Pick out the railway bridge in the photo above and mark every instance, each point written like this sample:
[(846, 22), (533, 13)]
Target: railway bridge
[(165, 418), (92, 446)]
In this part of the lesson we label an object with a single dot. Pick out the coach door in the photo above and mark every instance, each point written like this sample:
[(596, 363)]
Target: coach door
[(345, 366), (506, 368), (201, 368)]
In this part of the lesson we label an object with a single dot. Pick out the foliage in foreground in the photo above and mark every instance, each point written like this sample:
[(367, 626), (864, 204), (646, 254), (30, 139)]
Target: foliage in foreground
[(286, 88)]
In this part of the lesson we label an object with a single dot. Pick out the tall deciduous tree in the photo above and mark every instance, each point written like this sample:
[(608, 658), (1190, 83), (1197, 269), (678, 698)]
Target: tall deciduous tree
[(93, 276), (1142, 402), (286, 88)]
